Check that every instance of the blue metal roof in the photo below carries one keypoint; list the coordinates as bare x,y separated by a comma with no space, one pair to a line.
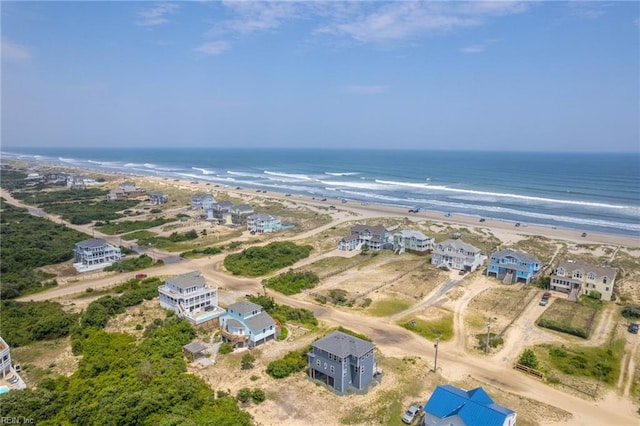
474,407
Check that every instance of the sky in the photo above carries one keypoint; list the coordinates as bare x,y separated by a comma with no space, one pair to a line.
517,76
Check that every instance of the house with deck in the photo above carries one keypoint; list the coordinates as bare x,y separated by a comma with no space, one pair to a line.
95,253
259,223
9,377
220,211
456,254
245,324
240,213
413,241
576,277
452,406
375,237
342,361
513,266
191,297
202,201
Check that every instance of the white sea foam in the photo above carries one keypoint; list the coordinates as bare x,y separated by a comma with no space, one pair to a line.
204,171
501,195
357,185
288,175
341,173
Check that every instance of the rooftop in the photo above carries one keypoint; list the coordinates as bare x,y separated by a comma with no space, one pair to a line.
518,255
190,279
343,345
91,243
474,407
259,322
244,307
458,244
600,271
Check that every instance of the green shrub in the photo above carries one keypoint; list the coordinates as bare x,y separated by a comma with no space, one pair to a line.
564,328
528,359
283,333
244,395
631,312
256,261
292,362
225,348
292,282
258,396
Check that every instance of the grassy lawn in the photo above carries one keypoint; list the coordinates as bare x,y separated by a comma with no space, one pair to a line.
387,307
138,235
575,318
431,329
132,225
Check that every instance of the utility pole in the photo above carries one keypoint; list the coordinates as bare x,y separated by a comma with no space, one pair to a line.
435,361
488,334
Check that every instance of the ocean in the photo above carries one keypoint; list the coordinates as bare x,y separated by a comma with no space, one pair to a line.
587,192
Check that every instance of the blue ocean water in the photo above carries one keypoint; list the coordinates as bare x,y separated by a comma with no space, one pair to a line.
590,192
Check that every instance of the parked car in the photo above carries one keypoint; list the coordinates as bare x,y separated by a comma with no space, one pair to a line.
543,302
584,234
546,295
517,223
633,328
410,415
482,219
140,276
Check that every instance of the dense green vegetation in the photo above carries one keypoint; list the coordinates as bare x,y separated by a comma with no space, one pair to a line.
168,243
28,242
631,312
528,359
256,261
284,313
132,264
292,362
80,213
121,383
27,322
12,179
59,196
113,228
575,318
292,282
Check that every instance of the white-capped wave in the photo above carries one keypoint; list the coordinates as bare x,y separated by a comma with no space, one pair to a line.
204,171
501,195
341,173
288,175
357,185
68,160
254,175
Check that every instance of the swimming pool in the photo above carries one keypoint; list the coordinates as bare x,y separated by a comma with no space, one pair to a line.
4,389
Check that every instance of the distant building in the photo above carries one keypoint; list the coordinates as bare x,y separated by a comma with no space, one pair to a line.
202,201
375,237
262,223
513,266
158,198
95,253
341,361
220,211
414,241
240,213
576,277
246,324
456,254
449,405
193,298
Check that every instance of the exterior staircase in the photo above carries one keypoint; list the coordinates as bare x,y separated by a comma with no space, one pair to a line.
508,278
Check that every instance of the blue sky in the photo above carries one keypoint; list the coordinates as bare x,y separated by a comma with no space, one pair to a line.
549,76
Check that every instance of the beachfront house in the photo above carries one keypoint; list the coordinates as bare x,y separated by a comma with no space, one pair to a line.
449,405
246,325
413,241
202,201
513,266
240,213
375,237
221,211
193,298
158,198
259,223
456,254
341,361
576,277
95,253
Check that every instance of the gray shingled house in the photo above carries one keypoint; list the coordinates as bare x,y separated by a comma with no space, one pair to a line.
342,361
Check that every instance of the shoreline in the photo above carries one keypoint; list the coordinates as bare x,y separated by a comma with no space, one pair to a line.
503,229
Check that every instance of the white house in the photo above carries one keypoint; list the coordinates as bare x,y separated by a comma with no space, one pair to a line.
191,297
261,222
456,254
95,253
576,277
414,241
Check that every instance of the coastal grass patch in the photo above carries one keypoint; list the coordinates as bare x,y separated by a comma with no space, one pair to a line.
60,196
138,235
441,326
113,228
591,362
256,261
82,213
537,246
292,282
334,265
387,307
575,318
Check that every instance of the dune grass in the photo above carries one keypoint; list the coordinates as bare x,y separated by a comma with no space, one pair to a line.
387,307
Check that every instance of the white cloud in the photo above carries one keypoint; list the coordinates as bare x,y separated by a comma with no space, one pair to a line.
13,52
366,89
257,16
212,48
474,48
157,14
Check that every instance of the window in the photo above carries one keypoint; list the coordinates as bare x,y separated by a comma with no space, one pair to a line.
332,369
591,276
362,370
325,365
318,362
604,280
